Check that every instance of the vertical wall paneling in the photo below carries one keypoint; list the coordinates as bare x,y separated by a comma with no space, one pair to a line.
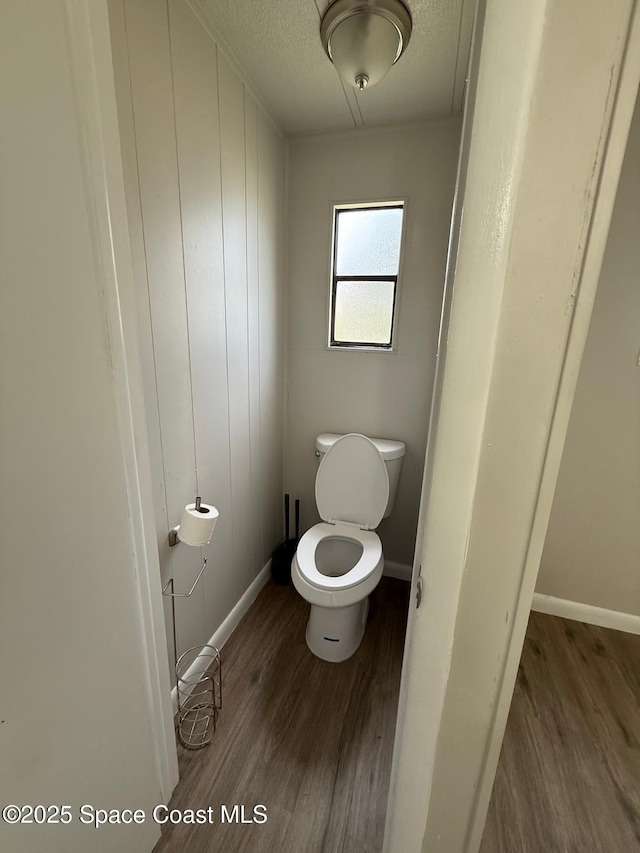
152,95
231,94
204,173
198,141
270,201
253,319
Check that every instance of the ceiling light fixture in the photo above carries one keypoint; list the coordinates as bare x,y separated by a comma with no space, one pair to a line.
363,38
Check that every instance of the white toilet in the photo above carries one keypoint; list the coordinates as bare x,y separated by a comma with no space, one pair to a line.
339,561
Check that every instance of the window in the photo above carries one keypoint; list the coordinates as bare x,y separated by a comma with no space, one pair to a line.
364,275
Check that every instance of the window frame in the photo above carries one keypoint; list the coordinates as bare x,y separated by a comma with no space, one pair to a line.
360,346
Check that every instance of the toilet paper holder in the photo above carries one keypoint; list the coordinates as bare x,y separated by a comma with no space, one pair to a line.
173,540
169,583
173,595
168,589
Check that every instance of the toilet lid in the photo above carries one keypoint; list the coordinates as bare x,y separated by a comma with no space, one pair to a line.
352,483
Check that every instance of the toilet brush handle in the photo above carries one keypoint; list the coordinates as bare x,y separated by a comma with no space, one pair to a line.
286,517
297,520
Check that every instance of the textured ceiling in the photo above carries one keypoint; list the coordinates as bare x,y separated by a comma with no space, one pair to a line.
277,44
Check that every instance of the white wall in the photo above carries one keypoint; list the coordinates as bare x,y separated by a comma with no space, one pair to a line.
75,720
205,180
592,550
387,395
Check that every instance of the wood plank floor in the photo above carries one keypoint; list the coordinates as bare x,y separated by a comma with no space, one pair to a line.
312,741
569,773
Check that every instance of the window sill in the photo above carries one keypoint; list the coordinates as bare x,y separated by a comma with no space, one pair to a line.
379,350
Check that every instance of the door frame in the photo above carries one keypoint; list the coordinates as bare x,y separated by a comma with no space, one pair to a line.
462,652
99,140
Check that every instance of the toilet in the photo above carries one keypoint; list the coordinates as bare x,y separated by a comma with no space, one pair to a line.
339,561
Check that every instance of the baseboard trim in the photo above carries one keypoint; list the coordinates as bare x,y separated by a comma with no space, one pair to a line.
397,570
586,613
222,634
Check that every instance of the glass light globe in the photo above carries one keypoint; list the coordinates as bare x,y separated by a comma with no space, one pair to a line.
363,48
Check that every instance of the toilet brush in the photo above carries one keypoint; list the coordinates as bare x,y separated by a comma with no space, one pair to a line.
284,553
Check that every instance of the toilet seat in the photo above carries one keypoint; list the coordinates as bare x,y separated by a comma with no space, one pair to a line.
369,561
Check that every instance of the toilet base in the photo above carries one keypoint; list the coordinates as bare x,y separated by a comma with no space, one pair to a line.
334,633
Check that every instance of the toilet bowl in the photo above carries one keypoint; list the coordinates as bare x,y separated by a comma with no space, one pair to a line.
339,561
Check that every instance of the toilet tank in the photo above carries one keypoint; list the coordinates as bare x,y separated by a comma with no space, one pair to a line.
391,451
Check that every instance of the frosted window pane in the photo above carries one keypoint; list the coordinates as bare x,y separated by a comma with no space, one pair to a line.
364,312
368,241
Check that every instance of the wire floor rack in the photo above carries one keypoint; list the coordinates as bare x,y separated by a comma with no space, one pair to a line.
199,688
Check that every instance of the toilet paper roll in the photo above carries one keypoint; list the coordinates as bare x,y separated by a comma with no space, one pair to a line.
196,527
